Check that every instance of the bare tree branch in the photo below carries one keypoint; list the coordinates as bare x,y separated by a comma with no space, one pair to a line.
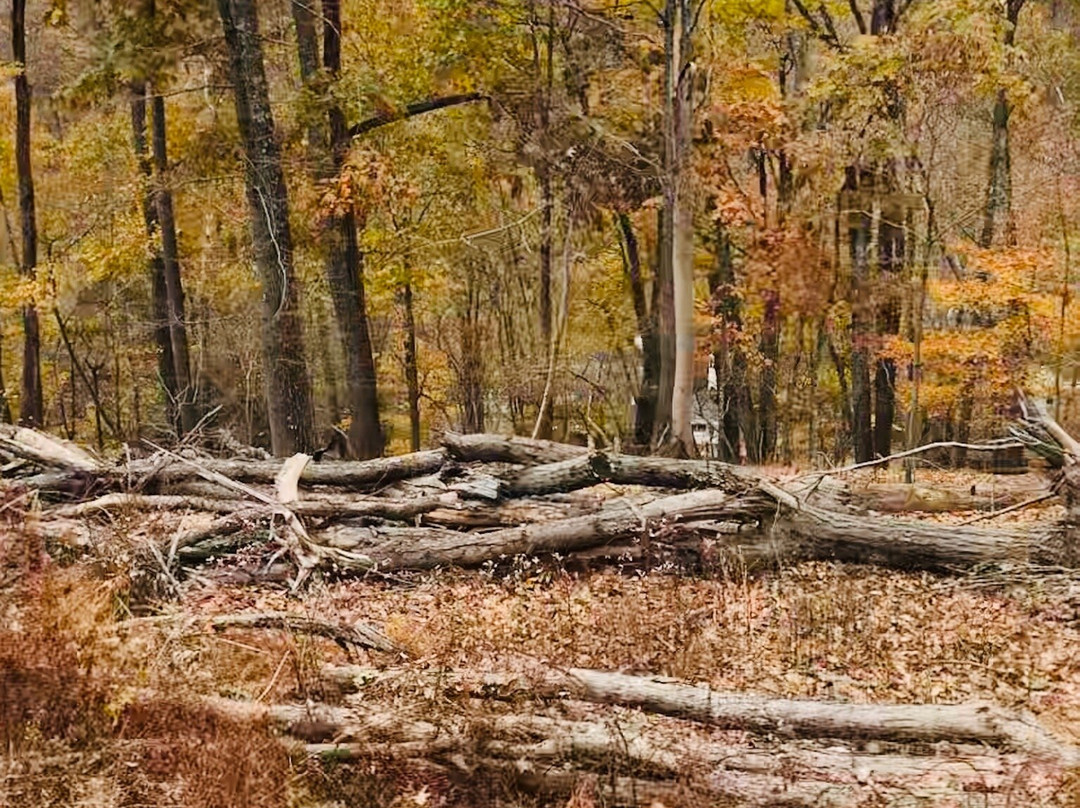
411,110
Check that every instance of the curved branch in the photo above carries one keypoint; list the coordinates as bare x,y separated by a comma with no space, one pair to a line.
411,110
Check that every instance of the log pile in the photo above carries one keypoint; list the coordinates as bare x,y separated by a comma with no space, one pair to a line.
634,740
480,499
604,737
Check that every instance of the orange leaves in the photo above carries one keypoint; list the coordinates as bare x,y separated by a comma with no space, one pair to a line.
366,181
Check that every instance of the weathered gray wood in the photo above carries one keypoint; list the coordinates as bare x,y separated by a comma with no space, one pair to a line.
361,475
425,548
597,467
497,449
984,723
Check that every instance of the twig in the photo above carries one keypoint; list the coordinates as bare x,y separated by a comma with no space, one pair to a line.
948,444
1011,508
277,672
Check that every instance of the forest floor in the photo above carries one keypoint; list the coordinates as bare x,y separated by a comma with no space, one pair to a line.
120,696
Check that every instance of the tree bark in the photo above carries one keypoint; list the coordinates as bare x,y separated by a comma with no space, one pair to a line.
412,375
547,235
288,389
645,317
170,261
770,353
158,293
345,273
856,203
31,400
679,74
998,224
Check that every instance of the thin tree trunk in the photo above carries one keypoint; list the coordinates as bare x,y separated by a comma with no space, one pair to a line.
170,259
547,202
770,353
471,373
680,108
663,307
160,305
288,389
31,403
345,273
645,400
725,310
859,223
412,377
5,407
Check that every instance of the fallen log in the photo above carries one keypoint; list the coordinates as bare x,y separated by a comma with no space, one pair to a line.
981,723
360,635
589,469
425,548
660,755
486,448
928,723
357,475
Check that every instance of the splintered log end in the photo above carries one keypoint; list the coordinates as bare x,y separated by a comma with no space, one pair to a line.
287,482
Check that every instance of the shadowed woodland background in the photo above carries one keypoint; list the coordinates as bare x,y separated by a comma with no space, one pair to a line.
855,221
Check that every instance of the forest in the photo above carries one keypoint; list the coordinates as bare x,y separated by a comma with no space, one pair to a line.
539,402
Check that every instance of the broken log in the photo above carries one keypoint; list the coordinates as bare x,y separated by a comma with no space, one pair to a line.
590,469
427,548
659,753
787,718
928,723
360,635
357,475
485,448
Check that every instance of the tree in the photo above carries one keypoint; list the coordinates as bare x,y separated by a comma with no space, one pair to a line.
997,216
679,22
343,259
31,403
170,271
288,390
158,291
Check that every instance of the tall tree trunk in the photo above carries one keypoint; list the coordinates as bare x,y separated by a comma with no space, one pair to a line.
547,202
5,407
345,272
645,399
680,83
412,376
471,371
856,204
31,401
158,293
892,266
170,259
727,358
663,307
770,353
288,389
997,215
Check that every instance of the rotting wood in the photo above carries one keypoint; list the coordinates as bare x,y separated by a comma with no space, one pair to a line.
486,448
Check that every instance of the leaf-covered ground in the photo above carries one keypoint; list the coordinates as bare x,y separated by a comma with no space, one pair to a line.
112,700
